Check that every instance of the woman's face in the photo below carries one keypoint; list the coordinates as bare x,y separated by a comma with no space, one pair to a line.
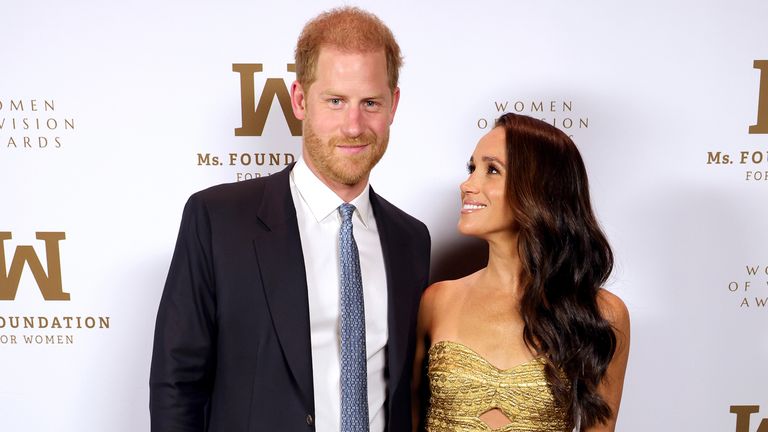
485,209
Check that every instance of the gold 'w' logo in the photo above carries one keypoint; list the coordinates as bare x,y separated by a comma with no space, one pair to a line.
255,117
49,284
743,413
762,101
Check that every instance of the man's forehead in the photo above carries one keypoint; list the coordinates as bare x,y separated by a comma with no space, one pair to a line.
343,69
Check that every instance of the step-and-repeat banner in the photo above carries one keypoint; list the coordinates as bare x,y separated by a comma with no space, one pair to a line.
113,113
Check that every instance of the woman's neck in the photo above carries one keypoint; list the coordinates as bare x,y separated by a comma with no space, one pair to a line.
504,266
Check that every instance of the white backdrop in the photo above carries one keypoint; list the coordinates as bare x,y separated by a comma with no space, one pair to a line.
139,93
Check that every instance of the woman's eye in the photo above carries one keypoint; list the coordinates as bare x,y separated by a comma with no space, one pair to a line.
492,170
470,168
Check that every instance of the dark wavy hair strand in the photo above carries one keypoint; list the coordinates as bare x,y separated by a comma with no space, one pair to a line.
565,260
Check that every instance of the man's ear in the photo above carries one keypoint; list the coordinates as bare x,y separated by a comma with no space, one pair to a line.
395,101
298,100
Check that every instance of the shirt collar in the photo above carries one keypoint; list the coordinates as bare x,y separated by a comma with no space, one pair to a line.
322,201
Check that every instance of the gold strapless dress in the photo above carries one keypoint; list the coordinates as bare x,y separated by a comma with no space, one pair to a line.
464,386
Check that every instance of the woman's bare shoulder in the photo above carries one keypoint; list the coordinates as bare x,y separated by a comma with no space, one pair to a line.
446,290
440,295
613,309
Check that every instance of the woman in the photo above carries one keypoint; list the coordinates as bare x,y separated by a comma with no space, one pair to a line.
531,342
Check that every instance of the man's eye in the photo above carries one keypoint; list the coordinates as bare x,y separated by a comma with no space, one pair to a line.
335,101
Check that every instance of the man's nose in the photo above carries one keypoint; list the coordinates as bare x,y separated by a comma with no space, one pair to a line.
353,127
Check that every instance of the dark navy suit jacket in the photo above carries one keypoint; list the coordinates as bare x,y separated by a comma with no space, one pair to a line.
232,340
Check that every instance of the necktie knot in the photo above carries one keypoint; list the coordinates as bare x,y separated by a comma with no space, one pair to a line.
346,210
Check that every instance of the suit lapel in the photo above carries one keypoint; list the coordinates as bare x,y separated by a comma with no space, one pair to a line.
398,284
281,263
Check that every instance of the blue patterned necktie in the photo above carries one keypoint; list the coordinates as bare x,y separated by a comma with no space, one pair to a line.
354,376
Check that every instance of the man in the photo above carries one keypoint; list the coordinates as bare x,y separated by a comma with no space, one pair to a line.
285,308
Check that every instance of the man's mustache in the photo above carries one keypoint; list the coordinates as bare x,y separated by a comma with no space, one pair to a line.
367,138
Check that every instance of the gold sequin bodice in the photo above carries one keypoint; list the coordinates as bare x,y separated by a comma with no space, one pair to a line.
464,386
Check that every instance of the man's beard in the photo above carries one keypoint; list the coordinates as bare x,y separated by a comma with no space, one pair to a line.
347,169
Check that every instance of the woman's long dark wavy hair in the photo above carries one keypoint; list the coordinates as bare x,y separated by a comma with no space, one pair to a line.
565,260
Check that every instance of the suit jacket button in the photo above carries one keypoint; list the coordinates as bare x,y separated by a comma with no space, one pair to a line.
310,420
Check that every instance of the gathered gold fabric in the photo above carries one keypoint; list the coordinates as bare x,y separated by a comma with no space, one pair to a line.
464,385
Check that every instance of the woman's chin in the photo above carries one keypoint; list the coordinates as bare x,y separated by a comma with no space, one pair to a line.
470,230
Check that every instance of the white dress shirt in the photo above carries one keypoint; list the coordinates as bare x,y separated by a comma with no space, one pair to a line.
319,224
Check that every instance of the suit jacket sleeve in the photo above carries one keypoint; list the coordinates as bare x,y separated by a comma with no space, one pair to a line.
183,357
